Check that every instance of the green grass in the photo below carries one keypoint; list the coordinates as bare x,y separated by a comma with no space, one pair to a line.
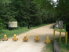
10,33
18,31
63,47
63,30
48,47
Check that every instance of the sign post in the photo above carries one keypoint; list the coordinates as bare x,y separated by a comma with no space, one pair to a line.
54,35
60,35
66,37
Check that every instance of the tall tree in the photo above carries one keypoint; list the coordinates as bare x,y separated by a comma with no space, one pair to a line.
46,10
62,10
7,13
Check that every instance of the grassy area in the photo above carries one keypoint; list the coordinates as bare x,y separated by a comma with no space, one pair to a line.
17,31
48,47
11,32
63,30
63,47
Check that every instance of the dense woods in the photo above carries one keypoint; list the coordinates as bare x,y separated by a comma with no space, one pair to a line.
33,12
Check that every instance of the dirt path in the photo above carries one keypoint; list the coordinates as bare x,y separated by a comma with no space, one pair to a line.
31,45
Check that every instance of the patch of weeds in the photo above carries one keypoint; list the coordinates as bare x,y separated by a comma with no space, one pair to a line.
63,47
48,47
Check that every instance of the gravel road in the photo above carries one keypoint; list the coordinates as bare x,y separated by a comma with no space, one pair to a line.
31,45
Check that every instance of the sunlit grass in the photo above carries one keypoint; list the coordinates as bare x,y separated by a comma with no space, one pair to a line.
18,31
63,46
48,47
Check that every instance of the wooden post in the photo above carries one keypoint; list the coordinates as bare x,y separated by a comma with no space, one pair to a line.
60,35
54,36
66,37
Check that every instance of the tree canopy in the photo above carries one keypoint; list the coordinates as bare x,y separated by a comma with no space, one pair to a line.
33,12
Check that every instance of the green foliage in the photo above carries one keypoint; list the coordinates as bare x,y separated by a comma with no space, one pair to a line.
7,13
46,10
63,47
62,10
1,24
27,12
